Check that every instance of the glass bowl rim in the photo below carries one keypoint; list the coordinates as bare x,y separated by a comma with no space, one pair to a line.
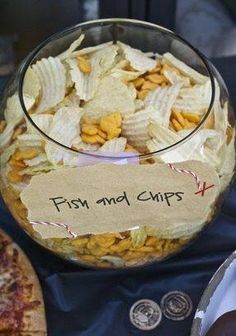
28,61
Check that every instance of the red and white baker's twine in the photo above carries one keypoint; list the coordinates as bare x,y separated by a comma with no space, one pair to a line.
65,226
189,172
170,165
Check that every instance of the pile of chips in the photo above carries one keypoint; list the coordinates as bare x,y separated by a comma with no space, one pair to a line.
112,98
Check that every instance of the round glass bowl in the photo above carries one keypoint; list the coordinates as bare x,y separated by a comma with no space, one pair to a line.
200,117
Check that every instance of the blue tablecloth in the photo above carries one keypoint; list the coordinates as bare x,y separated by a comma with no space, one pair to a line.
83,302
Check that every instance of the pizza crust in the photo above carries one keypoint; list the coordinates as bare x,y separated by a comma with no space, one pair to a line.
4,240
33,319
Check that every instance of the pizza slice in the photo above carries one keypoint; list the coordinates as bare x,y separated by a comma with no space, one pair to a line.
21,302
23,333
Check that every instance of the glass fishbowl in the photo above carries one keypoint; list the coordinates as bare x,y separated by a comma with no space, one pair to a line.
105,91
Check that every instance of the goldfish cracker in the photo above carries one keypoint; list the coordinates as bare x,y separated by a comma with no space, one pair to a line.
171,126
176,125
84,65
157,254
229,133
17,163
146,161
169,246
130,255
164,84
102,134
142,94
2,125
13,176
138,82
88,258
156,69
178,116
151,241
111,124
103,263
105,240
129,148
92,139
89,129
143,249
99,251
192,117
160,244
79,242
123,245
91,243
147,85
17,131
128,67
26,154
155,78
115,118
189,124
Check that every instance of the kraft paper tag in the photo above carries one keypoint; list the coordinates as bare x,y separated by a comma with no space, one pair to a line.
111,198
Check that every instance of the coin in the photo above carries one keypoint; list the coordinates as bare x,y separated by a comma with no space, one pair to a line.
176,305
145,314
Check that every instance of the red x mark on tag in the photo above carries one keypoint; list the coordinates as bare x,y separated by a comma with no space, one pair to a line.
204,188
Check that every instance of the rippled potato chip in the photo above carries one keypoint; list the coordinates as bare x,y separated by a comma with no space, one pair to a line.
52,77
196,98
31,85
112,96
189,150
8,152
160,137
174,78
138,60
13,112
115,145
41,168
29,140
90,50
186,70
227,159
124,75
64,129
43,121
39,159
79,145
138,237
163,98
135,127
74,45
177,230
100,62
13,115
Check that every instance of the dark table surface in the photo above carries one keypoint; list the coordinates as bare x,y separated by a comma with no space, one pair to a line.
86,302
